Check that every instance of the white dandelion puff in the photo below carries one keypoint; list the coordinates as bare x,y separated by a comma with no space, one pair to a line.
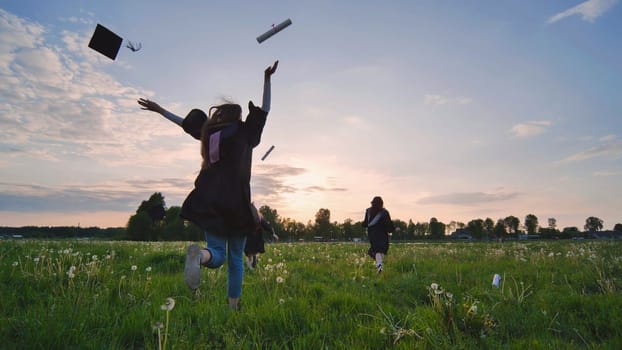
134,267
15,263
148,269
280,279
169,305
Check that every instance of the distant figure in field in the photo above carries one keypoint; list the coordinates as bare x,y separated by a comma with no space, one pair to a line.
255,242
220,201
379,225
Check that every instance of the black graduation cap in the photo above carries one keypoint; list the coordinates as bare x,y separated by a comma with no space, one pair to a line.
105,42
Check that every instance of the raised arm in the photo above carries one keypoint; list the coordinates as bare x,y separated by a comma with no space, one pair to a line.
149,105
265,106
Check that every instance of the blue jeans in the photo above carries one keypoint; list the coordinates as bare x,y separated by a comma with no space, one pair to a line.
234,252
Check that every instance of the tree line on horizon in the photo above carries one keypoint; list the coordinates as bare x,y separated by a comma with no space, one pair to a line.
153,221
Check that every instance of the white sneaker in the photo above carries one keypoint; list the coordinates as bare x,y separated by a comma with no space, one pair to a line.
192,271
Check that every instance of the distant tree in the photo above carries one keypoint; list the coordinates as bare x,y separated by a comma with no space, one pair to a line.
499,230
293,230
531,224
476,228
547,232
322,223
593,224
348,229
451,227
489,227
410,229
460,225
139,227
437,229
146,224
155,206
571,231
421,228
512,223
173,228
400,229
552,223
272,216
617,227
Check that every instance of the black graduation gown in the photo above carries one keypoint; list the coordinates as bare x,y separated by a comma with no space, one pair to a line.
220,202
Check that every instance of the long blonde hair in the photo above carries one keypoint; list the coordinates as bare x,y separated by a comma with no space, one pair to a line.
219,117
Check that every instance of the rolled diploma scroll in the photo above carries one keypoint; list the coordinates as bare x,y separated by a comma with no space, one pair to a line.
274,30
265,155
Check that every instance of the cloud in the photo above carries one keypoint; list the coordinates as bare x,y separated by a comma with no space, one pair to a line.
438,100
113,196
589,10
610,149
323,189
467,198
56,102
604,173
530,128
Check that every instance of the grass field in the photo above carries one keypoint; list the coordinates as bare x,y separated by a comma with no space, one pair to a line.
114,295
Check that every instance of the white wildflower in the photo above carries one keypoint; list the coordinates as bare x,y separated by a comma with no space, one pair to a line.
279,279
134,267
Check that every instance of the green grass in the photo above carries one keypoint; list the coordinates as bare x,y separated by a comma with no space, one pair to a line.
553,295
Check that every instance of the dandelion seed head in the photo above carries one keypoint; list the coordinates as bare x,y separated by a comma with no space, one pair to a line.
148,269
169,305
279,279
15,263
134,267
434,286
94,257
281,301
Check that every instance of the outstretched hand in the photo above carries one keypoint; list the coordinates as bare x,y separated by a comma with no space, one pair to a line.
150,105
270,70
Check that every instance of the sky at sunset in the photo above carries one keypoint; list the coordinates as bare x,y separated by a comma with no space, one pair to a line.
447,109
